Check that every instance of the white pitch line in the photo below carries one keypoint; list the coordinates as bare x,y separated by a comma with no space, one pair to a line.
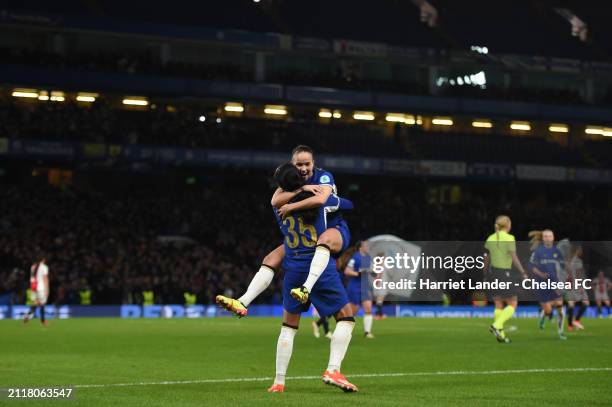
366,375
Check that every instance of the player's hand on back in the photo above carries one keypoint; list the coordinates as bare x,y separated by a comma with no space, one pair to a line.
285,210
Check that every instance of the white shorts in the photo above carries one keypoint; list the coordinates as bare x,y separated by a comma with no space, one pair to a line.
599,296
38,297
576,295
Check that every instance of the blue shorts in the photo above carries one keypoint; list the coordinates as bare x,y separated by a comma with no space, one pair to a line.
358,292
548,295
328,294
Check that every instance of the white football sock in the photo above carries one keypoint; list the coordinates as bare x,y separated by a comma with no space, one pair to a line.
317,265
560,319
284,348
261,280
367,323
339,344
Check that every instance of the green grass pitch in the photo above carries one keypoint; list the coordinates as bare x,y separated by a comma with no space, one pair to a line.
437,362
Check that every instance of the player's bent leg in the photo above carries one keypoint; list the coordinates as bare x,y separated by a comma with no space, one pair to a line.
329,242
332,238
582,307
545,313
499,307
43,319
570,315
560,318
367,319
340,340
502,317
231,305
261,280
284,349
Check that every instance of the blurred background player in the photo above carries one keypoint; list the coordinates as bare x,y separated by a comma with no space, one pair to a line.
358,287
318,322
328,295
334,239
601,286
501,249
380,298
39,284
575,270
546,263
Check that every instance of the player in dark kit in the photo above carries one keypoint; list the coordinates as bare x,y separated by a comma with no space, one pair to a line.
358,287
301,230
546,262
332,241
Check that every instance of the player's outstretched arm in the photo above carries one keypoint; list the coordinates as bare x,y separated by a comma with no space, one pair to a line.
314,201
281,197
350,272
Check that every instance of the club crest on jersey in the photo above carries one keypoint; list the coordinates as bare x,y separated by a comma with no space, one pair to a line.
324,178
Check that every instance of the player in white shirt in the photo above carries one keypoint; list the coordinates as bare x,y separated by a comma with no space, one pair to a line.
39,285
601,286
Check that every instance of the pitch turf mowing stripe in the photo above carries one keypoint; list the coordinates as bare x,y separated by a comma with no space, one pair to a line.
366,375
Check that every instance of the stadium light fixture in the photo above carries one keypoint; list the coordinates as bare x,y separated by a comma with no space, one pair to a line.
325,114
442,121
25,93
135,101
396,117
57,96
523,126
234,107
607,132
482,123
594,130
558,128
337,114
279,110
43,95
361,115
86,97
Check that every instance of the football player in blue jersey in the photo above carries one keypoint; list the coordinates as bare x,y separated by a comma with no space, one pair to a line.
302,229
334,239
547,263
358,288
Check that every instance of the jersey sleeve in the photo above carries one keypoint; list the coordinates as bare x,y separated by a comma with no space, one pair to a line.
534,260
487,245
354,263
345,204
325,178
334,203
44,271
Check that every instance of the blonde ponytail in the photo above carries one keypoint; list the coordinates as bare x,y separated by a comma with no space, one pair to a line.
536,238
502,222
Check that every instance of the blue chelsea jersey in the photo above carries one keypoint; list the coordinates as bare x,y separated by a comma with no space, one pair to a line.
301,238
548,260
322,177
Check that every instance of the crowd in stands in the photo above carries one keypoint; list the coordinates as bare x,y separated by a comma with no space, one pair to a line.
119,238
182,127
